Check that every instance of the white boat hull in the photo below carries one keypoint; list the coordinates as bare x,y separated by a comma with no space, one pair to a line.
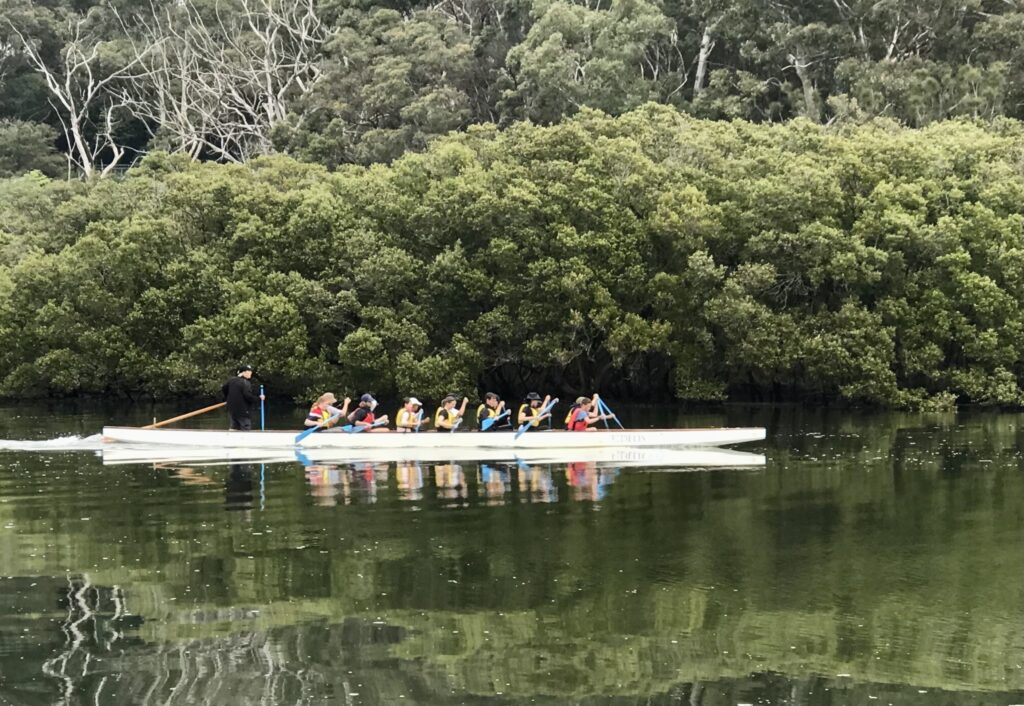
539,439
120,454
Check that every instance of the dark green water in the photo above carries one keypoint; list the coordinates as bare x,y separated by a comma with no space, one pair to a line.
874,559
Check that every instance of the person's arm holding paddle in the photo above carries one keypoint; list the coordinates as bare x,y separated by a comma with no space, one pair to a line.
594,414
363,416
530,410
323,413
409,417
584,414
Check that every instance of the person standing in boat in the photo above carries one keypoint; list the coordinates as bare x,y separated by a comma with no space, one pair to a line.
363,415
409,418
239,397
529,411
583,414
446,418
323,410
491,408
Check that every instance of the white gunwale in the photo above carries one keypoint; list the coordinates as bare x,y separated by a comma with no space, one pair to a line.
534,439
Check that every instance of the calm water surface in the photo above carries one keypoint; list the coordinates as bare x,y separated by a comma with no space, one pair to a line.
873,559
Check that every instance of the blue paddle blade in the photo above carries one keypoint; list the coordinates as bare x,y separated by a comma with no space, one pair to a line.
491,421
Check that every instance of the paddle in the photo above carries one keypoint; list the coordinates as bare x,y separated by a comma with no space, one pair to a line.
604,409
319,426
356,428
547,408
491,421
204,410
419,420
263,412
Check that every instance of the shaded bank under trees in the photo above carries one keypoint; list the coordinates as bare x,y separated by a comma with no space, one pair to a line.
652,253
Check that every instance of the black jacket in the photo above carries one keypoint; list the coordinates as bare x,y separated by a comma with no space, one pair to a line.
238,394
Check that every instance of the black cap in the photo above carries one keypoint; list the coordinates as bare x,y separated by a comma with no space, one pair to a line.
491,396
533,396
244,368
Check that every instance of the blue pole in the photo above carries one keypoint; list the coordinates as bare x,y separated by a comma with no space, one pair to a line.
606,410
263,492
263,411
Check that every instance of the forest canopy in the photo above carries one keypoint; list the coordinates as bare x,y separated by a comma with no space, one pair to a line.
652,253
362,81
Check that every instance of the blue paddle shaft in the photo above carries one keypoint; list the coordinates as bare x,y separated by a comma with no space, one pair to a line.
604,409
263,413
522,429
319,426
491,421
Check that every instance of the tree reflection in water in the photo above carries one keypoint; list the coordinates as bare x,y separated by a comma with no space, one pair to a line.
874,559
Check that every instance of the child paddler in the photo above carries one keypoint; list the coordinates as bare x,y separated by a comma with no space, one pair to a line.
363,415
447,417
583,414
529,410
491,408
323,410
409,418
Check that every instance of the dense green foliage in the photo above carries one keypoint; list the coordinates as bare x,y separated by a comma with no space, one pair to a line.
651,253
388,75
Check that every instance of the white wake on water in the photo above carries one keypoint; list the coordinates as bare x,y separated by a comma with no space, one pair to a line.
61,443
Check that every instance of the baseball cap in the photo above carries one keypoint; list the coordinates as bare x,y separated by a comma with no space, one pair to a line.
491,396
449,398
533,396
413,400
244,368
367,398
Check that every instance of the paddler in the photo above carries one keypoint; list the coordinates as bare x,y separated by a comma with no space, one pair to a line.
323,410
491,408
239,397
530,410
583,414
409,418
447,417
363,415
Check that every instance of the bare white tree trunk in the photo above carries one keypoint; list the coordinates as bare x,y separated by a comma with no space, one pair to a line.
78,95
219,87
707,45
811,107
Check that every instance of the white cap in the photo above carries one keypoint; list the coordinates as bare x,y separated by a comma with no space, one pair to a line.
413,400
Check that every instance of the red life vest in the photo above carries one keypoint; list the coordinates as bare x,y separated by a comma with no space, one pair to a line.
577,419
369,418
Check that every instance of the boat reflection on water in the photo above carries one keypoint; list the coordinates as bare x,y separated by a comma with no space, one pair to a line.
342,485
335,479
448,483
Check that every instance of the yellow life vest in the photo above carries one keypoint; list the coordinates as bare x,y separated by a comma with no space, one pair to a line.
404,416
491,412
320,418
450,414
525,410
